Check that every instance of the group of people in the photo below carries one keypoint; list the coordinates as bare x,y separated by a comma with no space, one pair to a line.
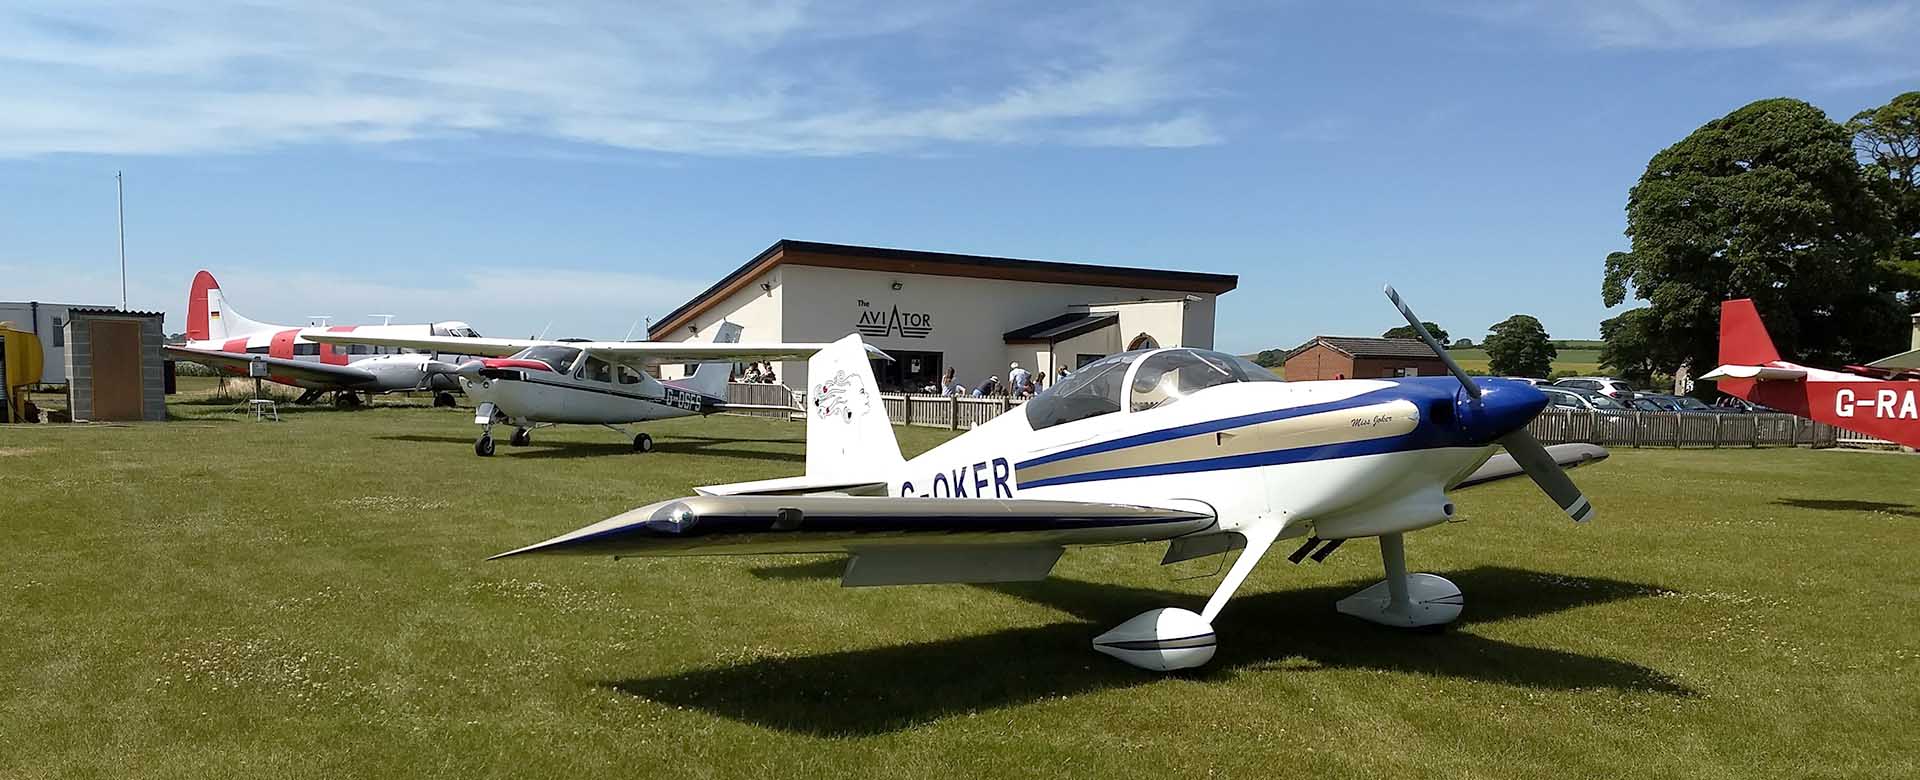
758,374
1020,383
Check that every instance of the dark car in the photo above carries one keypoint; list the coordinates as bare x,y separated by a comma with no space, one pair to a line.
1657,402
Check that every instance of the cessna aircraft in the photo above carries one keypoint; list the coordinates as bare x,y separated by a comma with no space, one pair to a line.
1877,401
220,337
1200,449
535,383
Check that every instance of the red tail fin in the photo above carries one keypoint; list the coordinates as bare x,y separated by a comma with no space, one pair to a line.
1743,338
197,327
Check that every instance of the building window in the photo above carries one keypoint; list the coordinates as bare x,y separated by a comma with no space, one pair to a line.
59,333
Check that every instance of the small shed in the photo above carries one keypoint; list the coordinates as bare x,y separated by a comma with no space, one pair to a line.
1354,357
113,364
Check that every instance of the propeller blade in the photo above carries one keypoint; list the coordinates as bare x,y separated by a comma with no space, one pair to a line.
1540,465
1438,349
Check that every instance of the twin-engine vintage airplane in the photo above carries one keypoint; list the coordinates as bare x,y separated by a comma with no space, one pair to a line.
534,383
220,337
1200,449
1880,400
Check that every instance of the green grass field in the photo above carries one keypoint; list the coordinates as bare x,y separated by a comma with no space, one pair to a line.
1581,362
212,598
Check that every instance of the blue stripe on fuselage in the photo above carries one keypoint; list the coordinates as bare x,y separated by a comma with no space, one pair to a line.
1427,435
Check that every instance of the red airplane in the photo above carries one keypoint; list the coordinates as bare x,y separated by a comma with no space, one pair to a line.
1879,402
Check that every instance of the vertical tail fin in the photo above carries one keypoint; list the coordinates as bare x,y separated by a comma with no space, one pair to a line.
1743,337
848,435
209,317
710,379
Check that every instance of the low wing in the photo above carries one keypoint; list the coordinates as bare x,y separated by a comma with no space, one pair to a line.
627,352
640,352
458,345
1762,373
1502,465
309,371
893,540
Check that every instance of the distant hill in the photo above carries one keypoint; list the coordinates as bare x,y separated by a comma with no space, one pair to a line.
1577,357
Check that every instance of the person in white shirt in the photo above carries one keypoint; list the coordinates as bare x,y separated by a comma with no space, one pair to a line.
1018,378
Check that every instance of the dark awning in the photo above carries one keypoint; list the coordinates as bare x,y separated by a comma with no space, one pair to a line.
1063,327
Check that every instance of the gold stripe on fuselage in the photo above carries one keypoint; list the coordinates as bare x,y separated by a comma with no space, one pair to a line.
1339,426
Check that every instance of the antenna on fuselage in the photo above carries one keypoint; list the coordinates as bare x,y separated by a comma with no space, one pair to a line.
629,336
385,319
319,320
543,331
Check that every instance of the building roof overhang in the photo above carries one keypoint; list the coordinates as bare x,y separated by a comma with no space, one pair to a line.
909,261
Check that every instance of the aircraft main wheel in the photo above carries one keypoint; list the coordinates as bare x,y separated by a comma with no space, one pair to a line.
521,437
345,400
483,447
443,400
643,443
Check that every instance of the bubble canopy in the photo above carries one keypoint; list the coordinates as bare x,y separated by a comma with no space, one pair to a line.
1137,381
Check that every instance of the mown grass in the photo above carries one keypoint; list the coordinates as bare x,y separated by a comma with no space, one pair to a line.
214,598
1569,362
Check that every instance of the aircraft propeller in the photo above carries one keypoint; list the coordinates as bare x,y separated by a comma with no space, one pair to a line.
1526,450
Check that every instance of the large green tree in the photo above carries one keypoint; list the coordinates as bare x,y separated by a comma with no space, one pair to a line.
1767,203
1406,332
1887,140
1518,346
1631,352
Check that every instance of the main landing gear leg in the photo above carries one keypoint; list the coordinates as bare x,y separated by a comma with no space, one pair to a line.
1166,639
1404,600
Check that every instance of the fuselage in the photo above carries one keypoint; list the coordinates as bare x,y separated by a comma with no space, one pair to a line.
530,390
393,369
1334,458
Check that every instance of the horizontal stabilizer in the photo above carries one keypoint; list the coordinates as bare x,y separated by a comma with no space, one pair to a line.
1762,373
724,525
281,369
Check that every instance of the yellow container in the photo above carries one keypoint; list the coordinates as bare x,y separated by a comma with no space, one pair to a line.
24,361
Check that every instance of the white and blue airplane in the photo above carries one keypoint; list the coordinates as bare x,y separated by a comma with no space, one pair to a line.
1200,449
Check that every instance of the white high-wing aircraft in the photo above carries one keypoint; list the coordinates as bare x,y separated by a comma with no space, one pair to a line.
220,337
535,383
1197,448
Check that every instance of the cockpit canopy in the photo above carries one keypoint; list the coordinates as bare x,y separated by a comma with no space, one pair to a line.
560,358
1138,381
455,329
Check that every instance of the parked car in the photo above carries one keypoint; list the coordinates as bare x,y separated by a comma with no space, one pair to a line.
1617,389
1535,381
1584,400
1742,406
1658,402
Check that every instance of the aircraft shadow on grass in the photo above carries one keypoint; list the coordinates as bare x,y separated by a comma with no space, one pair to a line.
1847,505
674,445
873,691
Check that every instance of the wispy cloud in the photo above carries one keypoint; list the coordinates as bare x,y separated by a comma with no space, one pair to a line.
1711,24
600,304
695,76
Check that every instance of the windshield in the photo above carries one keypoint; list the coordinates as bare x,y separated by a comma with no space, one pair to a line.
1092,391
1602,402
1165,377
560,358
1691,403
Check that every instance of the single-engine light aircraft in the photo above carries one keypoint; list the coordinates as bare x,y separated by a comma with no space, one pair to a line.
1880,399
1203,450
219,337
535,383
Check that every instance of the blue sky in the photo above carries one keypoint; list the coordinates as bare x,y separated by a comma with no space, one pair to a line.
590,164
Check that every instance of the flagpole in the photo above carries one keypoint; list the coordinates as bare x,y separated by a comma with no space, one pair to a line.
120,186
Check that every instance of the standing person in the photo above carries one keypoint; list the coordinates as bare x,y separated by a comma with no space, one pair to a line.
947,381
1017,378
768,374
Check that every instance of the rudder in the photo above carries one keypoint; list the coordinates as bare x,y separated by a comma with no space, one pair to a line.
848,434
710,379
1743,337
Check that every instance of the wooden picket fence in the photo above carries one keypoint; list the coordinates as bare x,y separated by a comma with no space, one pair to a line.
1553,426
